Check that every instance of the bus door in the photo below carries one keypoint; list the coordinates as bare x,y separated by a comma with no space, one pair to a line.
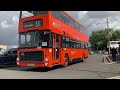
56,48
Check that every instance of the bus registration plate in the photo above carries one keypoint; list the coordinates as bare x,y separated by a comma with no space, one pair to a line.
31,65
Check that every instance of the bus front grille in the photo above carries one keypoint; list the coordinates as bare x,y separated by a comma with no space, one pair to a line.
32,56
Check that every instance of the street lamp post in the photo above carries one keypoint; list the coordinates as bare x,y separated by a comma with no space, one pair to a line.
107,23
108,33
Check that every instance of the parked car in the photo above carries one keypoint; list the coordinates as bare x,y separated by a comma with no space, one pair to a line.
8,57
91,52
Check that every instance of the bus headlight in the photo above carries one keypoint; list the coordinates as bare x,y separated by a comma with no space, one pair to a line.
46,63
17,63
17,58
46,59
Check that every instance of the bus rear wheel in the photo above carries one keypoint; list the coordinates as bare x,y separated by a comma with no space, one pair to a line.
66,61
83,58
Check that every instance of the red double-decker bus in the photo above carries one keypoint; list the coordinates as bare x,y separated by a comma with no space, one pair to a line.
49,38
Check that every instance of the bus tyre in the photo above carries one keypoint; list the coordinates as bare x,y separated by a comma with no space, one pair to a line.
66,60
83,58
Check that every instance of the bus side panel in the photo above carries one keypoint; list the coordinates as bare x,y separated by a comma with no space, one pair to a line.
72,54
75,53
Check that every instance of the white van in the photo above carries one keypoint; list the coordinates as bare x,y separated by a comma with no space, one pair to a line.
114,43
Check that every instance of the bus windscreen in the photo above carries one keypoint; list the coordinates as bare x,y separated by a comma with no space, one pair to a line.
35,39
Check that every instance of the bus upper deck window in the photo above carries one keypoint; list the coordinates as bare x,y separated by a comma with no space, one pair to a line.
25,14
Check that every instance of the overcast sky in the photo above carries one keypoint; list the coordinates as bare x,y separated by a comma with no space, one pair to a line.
9,23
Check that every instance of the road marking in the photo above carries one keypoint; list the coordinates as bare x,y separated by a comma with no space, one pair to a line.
111,63
116,77
107,61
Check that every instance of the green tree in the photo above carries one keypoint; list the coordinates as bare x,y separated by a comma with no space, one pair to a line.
99,39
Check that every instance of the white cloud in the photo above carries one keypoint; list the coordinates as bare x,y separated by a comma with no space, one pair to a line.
82,14
115,25
9,24
4,24
15,19
9,27
12,46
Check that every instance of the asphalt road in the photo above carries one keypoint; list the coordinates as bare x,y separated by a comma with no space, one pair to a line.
92,68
